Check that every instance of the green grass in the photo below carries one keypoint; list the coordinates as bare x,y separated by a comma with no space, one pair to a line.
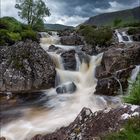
131,131
133,96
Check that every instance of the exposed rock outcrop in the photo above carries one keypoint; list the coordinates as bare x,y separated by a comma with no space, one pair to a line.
89,125
69,60
115,69
25,66
56,49
73,39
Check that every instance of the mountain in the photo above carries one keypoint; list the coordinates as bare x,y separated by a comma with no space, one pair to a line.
128,15
57,27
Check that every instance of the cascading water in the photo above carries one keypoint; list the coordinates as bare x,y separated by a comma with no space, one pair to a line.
60,109
123,37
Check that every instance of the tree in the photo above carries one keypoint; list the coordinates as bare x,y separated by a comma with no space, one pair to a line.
32,11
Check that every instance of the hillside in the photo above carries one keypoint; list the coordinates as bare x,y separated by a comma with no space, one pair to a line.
57,27
108,18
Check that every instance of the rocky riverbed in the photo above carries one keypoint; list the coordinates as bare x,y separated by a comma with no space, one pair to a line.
75,79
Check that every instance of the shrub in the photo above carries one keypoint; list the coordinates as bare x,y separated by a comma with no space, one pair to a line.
4,24
117,22
8,38
3,36
29,34
96,36
131,131
14,36
132,31
134,93
11,23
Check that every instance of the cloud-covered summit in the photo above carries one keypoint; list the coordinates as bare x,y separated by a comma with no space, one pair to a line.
73,12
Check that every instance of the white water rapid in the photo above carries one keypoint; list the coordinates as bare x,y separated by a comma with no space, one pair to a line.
60,109
123,37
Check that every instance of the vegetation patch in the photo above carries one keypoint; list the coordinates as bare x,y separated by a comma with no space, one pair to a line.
96,36
12,31
134,92
131,131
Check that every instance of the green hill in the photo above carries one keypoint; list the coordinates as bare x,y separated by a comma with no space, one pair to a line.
56,27
127,16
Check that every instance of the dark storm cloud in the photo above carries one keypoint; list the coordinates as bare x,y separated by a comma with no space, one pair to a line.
88,8
73,12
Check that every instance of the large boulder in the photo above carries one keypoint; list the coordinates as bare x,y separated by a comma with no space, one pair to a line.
88,125
117,59
69,60
73,39
115,69
115,83
25,66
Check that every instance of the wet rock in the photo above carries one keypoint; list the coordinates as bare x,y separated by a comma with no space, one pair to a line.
69,60
116,67
117,59
89,49
71,40
88,125
136,37
69,87
107,86
113,83
56,49
65,32
83,57
125,38
25,66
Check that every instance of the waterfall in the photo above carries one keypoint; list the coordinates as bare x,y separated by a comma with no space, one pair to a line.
60,109
123,37
135,73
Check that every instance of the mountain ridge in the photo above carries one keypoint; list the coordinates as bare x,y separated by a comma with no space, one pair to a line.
57,27
127,15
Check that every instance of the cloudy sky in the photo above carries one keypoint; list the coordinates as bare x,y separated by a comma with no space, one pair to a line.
72,12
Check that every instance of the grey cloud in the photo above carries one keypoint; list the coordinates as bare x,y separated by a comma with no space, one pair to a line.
72,12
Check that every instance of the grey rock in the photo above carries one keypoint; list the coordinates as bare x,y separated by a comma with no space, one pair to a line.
71,40
88,125
69,87
25,66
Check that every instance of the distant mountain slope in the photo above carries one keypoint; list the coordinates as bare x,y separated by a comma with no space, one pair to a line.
108,18
57,27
